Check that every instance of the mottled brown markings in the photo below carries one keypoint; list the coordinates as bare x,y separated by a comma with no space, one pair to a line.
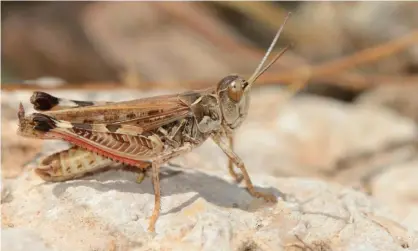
77,131
113,128
153,123
154,112
131,115
103,112
116,137
79,166
68,170
83,103
120,138
119,142
123,147
82,126
160,116
111,117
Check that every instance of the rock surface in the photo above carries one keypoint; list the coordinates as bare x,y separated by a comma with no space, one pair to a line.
398,187
20,239
202,209
402,99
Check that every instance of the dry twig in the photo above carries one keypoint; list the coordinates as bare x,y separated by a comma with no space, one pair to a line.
330,72
337,66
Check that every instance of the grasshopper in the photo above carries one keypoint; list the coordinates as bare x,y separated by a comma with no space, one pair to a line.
144,133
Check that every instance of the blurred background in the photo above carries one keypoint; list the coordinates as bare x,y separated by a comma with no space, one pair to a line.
194,44
355,64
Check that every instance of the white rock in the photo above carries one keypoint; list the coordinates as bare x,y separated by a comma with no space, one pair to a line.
399,98
398,189
20,239
200,211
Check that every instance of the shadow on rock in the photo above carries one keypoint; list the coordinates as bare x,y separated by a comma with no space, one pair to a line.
213,189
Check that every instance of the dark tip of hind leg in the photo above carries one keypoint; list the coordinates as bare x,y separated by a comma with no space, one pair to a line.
43,101
43,122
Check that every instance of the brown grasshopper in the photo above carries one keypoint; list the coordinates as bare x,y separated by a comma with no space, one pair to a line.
144,133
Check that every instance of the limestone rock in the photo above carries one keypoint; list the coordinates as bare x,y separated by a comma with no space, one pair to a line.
399,98
18,239
200,211
398,189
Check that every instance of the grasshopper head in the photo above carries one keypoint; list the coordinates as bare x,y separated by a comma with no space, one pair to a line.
233,90
234,100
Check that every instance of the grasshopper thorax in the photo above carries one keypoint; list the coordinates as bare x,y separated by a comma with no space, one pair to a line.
234,100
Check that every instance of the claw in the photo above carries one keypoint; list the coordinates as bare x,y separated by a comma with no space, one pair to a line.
140,178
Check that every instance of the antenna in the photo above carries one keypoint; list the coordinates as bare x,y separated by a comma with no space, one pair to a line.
259,71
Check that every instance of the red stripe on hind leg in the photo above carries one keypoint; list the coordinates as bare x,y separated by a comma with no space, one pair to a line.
92,148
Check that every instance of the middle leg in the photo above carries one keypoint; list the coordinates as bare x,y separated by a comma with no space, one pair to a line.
157,194
238,177
156,164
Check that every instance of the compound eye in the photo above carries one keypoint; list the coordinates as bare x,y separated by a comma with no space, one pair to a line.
235,91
